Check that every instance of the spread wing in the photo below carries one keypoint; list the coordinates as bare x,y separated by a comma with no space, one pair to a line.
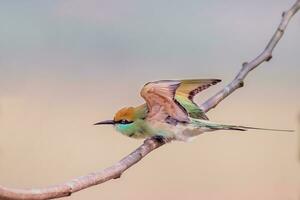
187,90
175,98
161,103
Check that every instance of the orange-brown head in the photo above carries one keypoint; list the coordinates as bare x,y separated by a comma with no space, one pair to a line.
127,115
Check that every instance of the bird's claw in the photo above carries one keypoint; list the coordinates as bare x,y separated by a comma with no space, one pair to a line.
159,139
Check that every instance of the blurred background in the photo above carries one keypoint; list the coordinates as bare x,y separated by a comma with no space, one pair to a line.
68,64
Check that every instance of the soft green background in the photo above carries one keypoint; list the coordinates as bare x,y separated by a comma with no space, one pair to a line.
66,64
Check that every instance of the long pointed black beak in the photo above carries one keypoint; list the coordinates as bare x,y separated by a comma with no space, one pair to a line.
105,122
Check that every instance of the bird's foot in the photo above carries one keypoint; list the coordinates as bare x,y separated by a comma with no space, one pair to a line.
159,139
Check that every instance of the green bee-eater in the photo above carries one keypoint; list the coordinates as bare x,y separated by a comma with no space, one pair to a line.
169,112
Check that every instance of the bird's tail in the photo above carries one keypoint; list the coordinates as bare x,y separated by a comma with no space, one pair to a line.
245,128
218,126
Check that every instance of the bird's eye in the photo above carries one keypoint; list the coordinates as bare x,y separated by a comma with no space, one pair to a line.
124,121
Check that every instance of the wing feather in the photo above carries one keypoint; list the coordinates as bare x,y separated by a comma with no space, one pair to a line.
175,98
187,90
159,96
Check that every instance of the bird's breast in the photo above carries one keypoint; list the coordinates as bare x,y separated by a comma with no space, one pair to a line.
178,131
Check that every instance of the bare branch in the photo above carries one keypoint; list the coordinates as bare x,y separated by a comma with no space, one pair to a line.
80,183
115,171
266,55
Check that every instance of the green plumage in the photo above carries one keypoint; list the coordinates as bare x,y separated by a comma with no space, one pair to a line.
186,91
192,108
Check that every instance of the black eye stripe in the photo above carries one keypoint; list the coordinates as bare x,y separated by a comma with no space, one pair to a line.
124,121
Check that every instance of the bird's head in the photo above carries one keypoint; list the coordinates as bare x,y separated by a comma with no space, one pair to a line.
127,119
124,116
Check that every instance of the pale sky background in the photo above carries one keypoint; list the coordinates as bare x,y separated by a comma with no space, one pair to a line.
67,64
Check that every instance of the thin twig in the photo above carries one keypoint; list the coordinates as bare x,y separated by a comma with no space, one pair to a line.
115,171
265,56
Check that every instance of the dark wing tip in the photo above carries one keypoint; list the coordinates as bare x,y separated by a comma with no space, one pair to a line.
215,81
203,87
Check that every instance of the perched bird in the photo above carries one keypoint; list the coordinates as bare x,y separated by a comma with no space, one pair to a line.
170,112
